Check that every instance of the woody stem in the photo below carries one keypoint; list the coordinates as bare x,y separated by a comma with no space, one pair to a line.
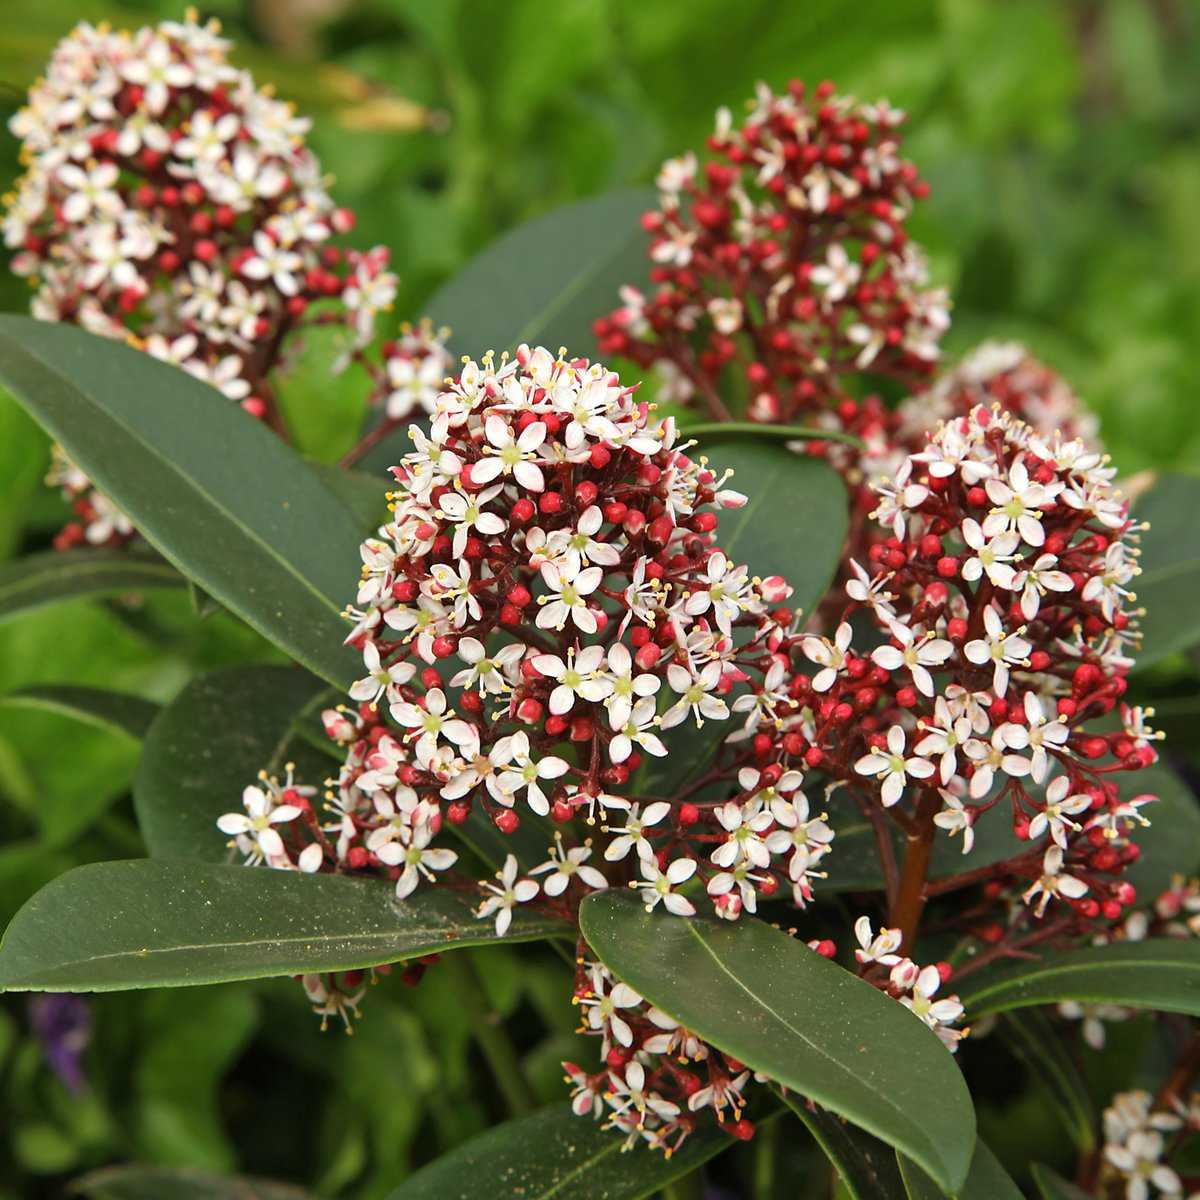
909,903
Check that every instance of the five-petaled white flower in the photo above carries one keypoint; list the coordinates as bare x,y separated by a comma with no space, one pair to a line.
656,885
892,767
504,895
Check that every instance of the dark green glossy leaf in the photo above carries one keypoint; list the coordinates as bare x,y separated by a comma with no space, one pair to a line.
54,576
546,281
810,1025
1052,1186
1161,974
866,1167
210,743
130,715
1170,565
364,493
987,1180
794,523
211,488
553,1153
1040,1046
149,923
178,1183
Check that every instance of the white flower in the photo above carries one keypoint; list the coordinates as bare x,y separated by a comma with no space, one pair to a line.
380,679
1017,503
507,455
274,262
578,677
602,1008
632,833
880,948
434,720
944,735
568,601
1038,734
892,767
956,818
258,822
1059,808
1037,580
1053,883
999,648
830,656
917,656
528,774
837,275
991,556
466,511
638,729
695,694
488,673
626,687
744,825
565,865
656,885
509,892
412,849
728,592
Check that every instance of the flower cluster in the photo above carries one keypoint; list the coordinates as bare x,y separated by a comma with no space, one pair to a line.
1007,374
1135,1146
171,202
1001,597
784,261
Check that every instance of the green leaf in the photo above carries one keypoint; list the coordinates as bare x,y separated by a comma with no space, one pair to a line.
217,493
209,743
554,1153
53,576
987,1180
364,493
1161,974
810,1025
130,715
546,281
1170,564
866,1167
1039,1045
179,1183
794,522
144,923
1052,1186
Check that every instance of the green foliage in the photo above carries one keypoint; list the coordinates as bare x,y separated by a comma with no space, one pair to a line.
116,925
778,1007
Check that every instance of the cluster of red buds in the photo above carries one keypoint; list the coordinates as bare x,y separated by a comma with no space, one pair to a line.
1002,597
784,262
171,202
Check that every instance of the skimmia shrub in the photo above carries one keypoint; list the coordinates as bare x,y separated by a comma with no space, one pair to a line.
811,852
170,201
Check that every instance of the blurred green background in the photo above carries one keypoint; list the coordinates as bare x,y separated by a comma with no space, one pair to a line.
1060,140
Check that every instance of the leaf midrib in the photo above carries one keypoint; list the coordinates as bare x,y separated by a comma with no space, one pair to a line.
694,931
192,484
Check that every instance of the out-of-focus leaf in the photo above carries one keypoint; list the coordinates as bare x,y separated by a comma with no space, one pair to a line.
1052,1186
214,491
807,1023
546,281
987,1180
554,1153
178,1183
209,743
130,715
1161,974
362,492
1036,1042
146,923
866,1166
53,576
1170,563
